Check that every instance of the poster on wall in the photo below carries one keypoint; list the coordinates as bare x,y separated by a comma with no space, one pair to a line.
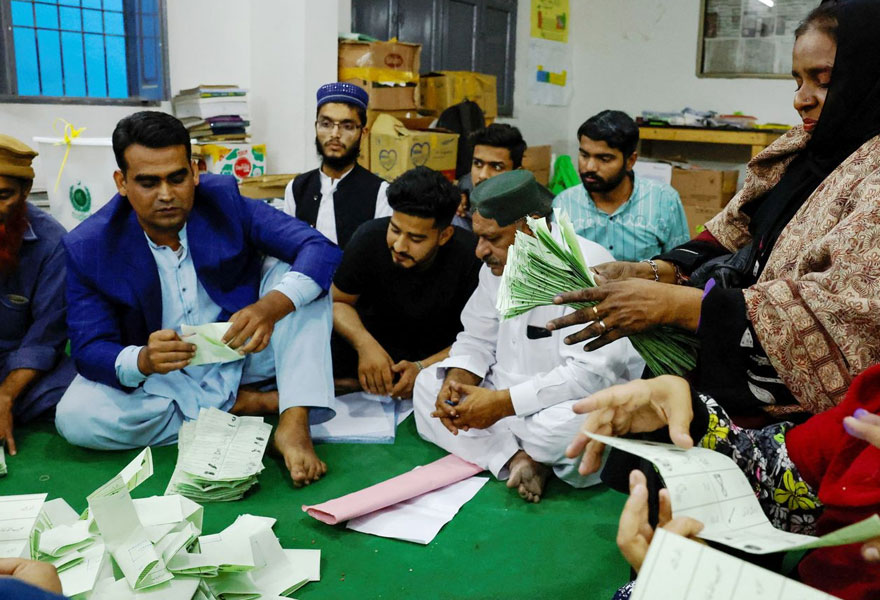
550,20
549,73
749,38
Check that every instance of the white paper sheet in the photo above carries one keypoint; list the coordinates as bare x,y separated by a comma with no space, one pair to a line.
683,569
226,447
307,562
360,419
82,577
710,487
420,519
404,409
18,515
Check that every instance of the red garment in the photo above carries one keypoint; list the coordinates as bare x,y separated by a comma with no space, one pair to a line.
846,471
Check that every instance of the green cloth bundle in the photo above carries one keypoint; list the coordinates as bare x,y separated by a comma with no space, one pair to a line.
538,268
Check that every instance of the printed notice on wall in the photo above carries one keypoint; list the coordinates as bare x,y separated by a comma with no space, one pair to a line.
549,73
550,20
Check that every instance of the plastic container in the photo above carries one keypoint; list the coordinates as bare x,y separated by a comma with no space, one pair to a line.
86,181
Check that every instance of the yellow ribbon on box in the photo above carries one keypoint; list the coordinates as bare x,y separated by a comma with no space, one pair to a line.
70,134
378,75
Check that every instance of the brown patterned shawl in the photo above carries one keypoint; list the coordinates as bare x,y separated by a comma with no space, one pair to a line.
816,306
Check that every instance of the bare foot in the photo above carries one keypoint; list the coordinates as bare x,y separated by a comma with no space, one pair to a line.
252,402
294,442
528,476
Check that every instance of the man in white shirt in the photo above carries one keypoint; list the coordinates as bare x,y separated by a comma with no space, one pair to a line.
339,196
503,398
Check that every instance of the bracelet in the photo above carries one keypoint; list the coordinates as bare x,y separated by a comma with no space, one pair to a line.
420,365
680,279
654,268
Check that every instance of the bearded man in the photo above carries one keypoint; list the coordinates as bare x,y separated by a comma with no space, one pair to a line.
34,371
632,217
339,196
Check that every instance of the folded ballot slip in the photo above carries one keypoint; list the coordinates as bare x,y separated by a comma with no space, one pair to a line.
208,339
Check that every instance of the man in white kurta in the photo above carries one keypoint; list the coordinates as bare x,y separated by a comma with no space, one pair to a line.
503,398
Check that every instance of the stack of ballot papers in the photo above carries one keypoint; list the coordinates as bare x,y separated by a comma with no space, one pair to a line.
122,548
539,267
219,456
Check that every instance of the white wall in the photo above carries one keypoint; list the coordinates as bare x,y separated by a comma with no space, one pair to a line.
281,50
628,54
635,55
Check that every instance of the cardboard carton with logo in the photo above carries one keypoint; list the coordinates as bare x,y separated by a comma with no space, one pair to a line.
239,160
442,89
537,160
394,149
389,71
705,187
410,118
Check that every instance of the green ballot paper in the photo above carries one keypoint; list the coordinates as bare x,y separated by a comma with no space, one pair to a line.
539,267
208,340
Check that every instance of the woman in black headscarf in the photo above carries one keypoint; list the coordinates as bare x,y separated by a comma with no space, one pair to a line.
801,315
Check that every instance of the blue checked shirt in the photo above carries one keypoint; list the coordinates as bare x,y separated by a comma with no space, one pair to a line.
651,222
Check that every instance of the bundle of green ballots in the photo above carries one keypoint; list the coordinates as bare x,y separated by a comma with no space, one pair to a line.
538,268
219,456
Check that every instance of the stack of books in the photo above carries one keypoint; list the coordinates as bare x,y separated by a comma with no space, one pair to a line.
214,113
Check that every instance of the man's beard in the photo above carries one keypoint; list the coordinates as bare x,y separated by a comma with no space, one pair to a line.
602,186
340,162
11,235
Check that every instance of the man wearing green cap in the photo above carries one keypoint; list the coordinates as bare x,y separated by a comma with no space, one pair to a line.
503,398
34,372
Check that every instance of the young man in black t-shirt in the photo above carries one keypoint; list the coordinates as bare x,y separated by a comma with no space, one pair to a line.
401,287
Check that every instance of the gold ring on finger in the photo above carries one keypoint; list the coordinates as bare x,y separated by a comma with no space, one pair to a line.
604,326
595,311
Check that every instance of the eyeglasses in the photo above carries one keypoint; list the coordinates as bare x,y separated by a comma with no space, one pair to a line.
328,125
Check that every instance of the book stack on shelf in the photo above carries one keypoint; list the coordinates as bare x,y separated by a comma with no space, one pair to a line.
214,113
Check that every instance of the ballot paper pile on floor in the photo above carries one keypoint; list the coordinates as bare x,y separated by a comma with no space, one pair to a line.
219,456
413,506
538,268
123,548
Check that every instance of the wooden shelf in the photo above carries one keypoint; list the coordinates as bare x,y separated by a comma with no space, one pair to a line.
756,140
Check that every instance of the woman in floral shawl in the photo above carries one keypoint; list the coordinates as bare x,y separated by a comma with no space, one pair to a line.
805,317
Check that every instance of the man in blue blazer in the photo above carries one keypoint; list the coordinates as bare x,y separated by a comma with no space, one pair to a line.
173,248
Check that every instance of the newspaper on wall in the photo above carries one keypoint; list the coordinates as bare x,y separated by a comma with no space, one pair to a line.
748,37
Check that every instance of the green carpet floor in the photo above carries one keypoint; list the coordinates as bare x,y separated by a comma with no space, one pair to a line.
496,547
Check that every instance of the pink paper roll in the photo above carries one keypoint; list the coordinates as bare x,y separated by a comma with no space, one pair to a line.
420,480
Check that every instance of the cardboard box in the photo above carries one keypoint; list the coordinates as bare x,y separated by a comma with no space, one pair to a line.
383,62
410,118
658,171
389,97
442,89
537,160
698,216
394,149
239,160
705,187
265,187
